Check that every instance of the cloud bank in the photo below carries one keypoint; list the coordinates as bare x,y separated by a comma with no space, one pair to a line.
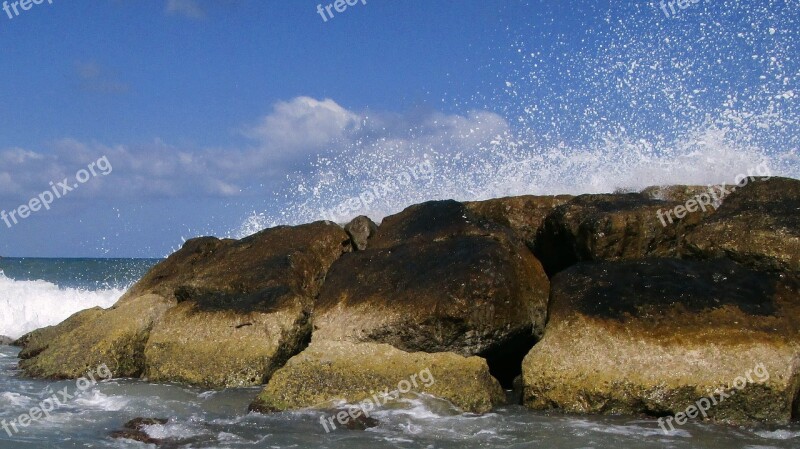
292,137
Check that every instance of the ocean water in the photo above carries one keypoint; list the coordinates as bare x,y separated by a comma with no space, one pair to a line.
35,293
43,291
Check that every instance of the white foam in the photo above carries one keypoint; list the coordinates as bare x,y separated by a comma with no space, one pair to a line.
30,305
12,398
778,434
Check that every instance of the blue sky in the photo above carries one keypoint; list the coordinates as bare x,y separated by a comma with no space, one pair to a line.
203,108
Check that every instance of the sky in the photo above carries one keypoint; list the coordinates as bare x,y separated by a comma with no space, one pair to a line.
144,123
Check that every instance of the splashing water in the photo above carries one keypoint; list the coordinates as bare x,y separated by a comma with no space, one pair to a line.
630,99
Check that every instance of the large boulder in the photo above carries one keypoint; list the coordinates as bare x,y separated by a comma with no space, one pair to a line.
237,309
245,310
613,227
461,285
757,225
658,336
436,283
332,371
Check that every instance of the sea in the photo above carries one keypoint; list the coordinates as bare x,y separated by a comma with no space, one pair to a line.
41,292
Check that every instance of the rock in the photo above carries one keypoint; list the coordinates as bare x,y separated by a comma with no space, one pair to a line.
433,221
656,336
6,341
37,341
362,423
680,193
115,337
226,290
610,227
522,214
141,423
462,285
757,225
331,371
437,287
135,435
360,230
236,330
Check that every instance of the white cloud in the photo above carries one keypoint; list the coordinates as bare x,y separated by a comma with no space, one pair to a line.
302,125
291,136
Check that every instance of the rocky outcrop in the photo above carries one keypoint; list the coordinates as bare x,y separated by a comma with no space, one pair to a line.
655,336
649,313
437,286
611,227
757,225
216,313
6,341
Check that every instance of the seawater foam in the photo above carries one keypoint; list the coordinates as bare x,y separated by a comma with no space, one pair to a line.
30,305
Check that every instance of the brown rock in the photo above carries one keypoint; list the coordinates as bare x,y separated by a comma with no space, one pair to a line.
610,227
360,230
436,287
657,335
245,310
757,225
242,309
463,285
522,214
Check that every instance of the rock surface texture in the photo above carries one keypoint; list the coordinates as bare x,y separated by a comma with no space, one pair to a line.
654,336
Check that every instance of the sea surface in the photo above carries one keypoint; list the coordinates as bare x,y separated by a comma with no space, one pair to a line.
37,292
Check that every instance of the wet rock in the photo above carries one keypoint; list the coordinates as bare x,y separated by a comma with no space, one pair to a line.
362,422
140,423
611,227
212,289
135,435
134,430
757,225
461,285
656,336
680,193
37,341
522,214
6,341
360,230
229,332
436,287
331,371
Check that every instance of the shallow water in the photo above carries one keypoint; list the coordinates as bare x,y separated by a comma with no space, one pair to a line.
219,419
